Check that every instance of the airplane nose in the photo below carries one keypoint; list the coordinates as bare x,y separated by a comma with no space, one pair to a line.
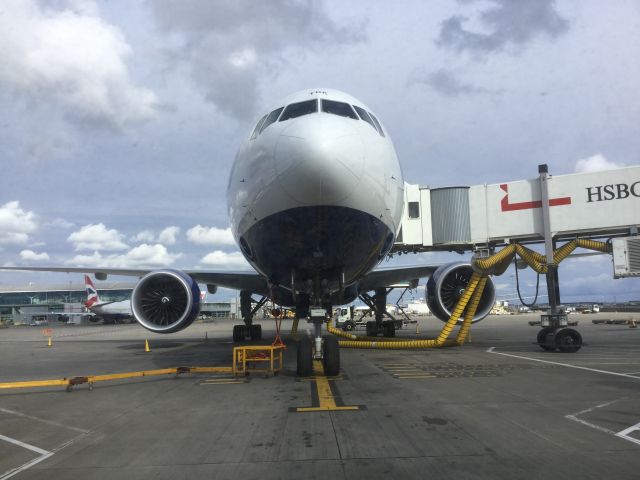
319,159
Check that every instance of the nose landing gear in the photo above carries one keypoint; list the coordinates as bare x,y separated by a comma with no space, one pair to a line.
325,349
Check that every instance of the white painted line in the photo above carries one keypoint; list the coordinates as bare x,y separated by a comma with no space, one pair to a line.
625,433
38,419
568,365
44,454
24,445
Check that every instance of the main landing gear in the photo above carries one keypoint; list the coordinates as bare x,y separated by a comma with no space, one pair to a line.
553,337
378,303
249,329
321,348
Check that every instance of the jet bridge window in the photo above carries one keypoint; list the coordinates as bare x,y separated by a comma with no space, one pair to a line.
299,109
414,210
257,129
273,116
338,108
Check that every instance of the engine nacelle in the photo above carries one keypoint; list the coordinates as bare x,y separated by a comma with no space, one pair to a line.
446,286
165,301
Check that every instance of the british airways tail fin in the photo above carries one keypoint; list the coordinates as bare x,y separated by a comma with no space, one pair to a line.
92,293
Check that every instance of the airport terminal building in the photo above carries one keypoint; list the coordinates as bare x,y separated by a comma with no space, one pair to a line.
16,300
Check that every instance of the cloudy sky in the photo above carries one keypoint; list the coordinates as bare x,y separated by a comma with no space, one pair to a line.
120,120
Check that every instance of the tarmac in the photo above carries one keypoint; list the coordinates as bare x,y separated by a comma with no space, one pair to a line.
498,407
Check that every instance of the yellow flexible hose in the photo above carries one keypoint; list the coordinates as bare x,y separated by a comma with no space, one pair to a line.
496,264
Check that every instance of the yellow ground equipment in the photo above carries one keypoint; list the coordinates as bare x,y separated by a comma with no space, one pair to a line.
246,359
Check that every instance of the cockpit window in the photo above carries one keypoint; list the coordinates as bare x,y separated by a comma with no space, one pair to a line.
365,116
338,108
273,116
257,129
299,109
375,120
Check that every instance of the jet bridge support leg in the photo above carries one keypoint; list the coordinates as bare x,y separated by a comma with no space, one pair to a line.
554,335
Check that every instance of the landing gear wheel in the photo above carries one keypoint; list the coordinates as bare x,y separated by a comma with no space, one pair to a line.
331,356
305,358
255,332
372,329
239,333
348,326
568,340
542,339
388,328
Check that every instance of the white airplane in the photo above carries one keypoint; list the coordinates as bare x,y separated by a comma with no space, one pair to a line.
315,199
110,312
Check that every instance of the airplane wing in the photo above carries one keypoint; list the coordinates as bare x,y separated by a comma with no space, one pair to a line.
252,281
235,280
385,277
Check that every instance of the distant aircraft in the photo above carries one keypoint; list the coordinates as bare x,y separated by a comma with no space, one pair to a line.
111,312
315,199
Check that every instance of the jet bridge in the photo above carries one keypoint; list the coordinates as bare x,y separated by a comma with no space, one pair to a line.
581,205
575,208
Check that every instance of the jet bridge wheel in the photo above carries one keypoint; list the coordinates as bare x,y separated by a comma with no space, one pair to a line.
568,340
542,339
331,356
305,357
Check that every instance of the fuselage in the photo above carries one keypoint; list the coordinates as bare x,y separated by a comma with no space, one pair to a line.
315,196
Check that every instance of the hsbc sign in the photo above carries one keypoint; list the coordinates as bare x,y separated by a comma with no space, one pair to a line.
617,191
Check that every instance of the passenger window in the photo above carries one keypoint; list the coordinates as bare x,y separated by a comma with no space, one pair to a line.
375,120
365,116
338,108
273,116
299,109
257,129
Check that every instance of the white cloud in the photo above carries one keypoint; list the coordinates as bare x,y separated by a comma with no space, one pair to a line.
168,235
97,237
595,163
144,236
138,257
15,224
59,223
63,55
225,260
31,255
210,236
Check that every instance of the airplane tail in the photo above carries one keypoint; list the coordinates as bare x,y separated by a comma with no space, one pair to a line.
92,293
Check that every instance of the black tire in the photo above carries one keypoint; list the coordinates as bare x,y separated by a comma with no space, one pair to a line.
542,337
348,326
255,332
372,329
388,329
305,358
331,356
239,333
568,340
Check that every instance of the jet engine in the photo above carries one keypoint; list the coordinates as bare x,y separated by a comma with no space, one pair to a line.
165,301
446,286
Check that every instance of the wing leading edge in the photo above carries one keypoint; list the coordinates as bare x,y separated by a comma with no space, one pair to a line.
251,281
